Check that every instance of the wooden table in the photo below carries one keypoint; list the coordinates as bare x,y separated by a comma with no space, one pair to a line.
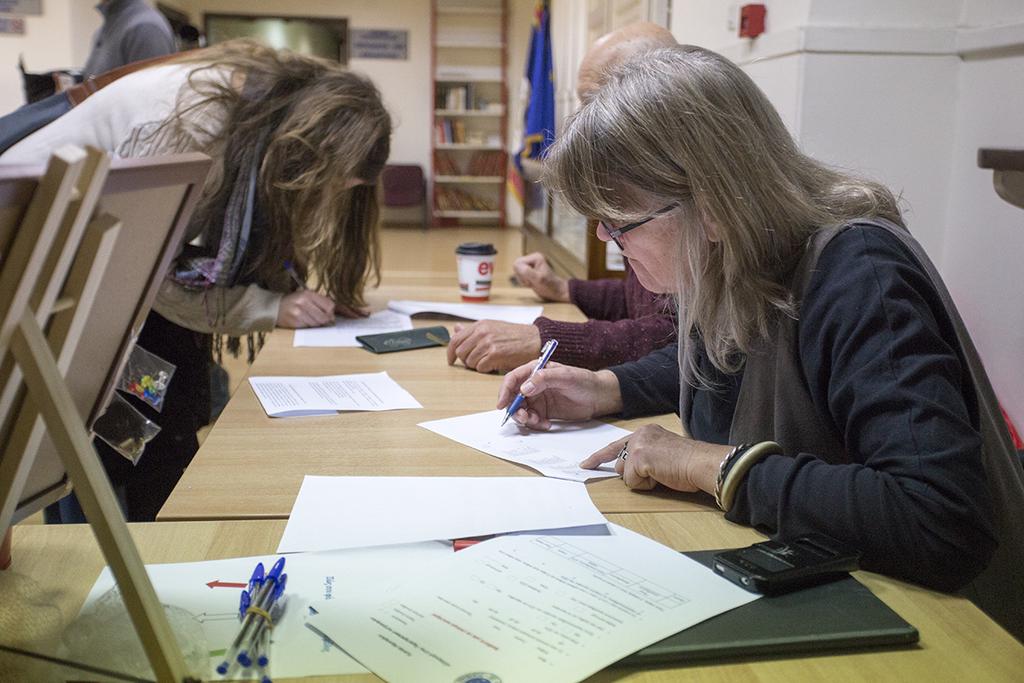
958,642
413,256
251,466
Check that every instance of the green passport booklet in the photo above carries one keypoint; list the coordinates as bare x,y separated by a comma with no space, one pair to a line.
418,338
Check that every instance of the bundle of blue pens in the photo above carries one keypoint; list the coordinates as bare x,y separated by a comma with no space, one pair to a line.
258,609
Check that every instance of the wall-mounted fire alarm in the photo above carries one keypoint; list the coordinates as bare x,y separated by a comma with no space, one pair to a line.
751,21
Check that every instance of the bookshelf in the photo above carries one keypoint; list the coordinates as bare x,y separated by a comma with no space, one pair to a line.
468,156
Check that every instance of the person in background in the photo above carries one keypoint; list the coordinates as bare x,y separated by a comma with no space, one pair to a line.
626,320
132,30
824,379
296,143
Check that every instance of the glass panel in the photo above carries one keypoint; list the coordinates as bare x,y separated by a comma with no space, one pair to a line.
536,206
569,229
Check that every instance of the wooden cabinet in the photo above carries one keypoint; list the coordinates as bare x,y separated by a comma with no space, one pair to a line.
469,161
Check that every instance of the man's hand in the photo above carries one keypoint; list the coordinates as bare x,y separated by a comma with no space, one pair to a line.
491,345
533,271
305,308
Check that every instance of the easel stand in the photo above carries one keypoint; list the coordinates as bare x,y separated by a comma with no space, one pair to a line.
34,270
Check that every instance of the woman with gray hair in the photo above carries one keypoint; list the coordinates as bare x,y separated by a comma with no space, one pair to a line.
824,379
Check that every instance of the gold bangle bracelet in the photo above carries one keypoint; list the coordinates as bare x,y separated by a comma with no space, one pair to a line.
737,472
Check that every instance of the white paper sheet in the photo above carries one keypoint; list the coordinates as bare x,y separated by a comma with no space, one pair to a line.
210,592
530,608
554,453
302,396
352,512
345,330
524,315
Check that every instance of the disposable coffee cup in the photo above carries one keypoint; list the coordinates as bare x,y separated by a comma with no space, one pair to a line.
476,268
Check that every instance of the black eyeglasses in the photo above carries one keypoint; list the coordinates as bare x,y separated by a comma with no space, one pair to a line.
616,233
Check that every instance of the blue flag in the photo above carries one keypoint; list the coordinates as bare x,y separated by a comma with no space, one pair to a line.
539,131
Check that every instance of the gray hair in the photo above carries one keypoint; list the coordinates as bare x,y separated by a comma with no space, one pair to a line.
686,125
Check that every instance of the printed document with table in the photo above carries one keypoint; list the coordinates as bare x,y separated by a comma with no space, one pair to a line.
529,608
305,396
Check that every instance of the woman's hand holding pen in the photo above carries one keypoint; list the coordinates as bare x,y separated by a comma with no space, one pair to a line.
305,308
559,392
351,311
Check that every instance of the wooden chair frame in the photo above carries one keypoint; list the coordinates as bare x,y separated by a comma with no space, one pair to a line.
48,268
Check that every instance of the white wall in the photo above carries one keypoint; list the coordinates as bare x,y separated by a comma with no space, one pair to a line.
984,240
906,92
885,13
888,117
85,21
991,12
713,23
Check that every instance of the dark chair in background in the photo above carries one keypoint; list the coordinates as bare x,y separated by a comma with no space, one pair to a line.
404,186
38,86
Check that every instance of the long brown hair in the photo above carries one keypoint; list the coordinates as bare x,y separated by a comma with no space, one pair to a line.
321,126
685,125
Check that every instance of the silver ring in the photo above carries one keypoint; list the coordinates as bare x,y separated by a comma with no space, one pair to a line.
624,453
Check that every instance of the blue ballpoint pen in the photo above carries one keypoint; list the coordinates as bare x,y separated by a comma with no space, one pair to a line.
256,652
263,657
545,356
273,587
290,269
255,582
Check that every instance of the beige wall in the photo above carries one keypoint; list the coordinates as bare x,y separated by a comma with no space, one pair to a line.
46,45
60,38
405,85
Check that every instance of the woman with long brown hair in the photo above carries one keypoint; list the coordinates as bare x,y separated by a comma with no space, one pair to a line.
297,145
824,379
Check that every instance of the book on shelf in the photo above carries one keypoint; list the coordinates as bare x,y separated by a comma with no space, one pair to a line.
455,199
447,131
444,164
462,72
460,98
487,164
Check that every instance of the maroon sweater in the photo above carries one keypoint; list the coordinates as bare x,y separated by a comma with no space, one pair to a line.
626,323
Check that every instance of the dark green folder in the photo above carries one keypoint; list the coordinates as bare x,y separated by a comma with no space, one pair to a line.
419,338
829,617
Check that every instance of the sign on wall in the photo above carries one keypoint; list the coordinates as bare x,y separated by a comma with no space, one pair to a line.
12,26
21,7
377,44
